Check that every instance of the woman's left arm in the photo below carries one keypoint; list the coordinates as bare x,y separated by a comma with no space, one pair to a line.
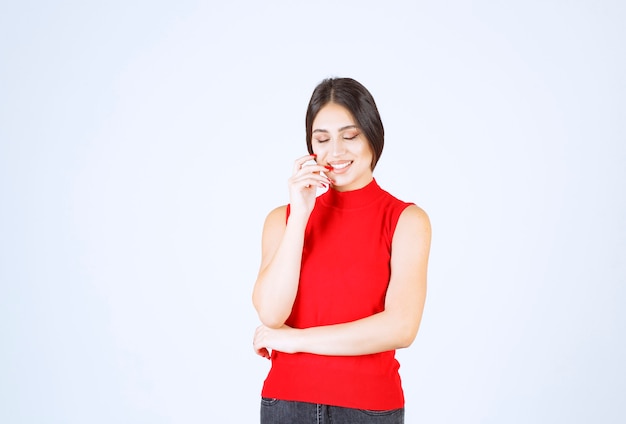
393,328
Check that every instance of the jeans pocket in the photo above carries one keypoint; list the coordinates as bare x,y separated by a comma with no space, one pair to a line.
268,401
381,413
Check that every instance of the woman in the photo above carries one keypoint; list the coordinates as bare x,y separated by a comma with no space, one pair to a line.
342,281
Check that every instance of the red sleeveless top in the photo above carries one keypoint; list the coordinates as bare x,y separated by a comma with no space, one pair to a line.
344,277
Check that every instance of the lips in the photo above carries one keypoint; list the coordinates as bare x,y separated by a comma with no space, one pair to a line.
339,167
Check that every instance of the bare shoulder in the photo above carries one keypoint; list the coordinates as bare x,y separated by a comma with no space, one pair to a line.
414,219
273,230
275,224
411,240
277,217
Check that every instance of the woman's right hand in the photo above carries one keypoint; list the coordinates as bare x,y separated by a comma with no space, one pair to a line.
303,184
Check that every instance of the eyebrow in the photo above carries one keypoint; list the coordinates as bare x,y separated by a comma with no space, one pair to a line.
347,127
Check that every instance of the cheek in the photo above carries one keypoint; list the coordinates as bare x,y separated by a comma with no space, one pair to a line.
318,149
366,150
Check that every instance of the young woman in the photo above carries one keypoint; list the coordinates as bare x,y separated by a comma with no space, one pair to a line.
342,281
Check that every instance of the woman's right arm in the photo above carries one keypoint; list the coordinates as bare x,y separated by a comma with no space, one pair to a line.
277,284
281,252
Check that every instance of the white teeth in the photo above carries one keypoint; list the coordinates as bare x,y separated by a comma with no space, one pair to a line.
343,165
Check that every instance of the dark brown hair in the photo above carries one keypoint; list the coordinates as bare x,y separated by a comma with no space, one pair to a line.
352,95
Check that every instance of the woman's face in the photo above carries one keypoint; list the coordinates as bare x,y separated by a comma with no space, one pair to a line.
338,142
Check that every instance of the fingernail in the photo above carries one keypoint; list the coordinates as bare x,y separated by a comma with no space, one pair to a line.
330,168
314,155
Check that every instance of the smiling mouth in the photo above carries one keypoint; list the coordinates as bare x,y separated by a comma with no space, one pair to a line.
340,166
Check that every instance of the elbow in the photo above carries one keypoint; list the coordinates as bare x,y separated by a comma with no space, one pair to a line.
405,340
406,334
269,314
271,320
269,317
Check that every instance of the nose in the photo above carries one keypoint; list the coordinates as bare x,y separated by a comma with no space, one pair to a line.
338,148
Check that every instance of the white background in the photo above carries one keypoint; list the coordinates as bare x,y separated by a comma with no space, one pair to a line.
142,144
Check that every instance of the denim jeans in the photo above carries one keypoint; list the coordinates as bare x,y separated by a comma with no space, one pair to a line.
275,411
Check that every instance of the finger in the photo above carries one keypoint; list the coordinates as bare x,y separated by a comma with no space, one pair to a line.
309,180
263,352
315,172
258,343
313,168
299,163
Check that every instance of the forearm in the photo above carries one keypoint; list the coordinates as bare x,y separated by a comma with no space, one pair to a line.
277,284
378,333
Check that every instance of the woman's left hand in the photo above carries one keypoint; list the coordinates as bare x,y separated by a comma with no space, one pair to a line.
266,339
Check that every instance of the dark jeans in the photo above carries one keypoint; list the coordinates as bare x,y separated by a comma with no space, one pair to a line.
274,411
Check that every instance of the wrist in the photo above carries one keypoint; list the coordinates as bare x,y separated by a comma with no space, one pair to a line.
295,340
298,219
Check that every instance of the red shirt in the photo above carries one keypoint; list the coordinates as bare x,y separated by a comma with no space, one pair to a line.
344,277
